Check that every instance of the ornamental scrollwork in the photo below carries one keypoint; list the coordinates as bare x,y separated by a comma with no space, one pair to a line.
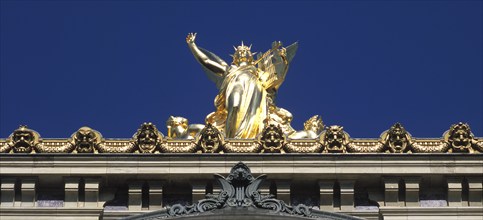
240,189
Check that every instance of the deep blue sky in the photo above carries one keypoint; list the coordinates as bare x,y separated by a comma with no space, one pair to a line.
361,64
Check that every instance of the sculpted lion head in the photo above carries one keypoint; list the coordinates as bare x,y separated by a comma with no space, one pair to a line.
86,140
210,139
460,137
147,138
335,139
396,139
272,139
23,140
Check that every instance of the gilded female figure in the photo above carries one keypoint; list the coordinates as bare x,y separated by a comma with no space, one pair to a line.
245,103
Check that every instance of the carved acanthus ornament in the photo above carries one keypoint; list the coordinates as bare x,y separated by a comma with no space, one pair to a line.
240,189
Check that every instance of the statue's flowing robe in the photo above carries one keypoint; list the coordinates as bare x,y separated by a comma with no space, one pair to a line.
241,104
246,101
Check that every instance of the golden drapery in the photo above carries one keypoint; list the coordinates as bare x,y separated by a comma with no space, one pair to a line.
248,88
241,104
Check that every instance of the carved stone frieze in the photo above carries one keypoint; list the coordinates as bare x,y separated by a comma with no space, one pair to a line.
147,139
117,146
365,146
458,139
303,146
430,146
242,146
179,146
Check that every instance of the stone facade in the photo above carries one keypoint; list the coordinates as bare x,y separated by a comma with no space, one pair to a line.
371,186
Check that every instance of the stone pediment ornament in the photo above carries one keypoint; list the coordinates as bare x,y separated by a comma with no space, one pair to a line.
240,197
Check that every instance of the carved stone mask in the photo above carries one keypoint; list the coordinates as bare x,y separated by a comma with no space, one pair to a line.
460,137
147,138
85,140
23,140
272,138
397,139
335,139
210,139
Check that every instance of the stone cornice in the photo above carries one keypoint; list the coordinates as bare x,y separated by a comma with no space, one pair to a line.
316,164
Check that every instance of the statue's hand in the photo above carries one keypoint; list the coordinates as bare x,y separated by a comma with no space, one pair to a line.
190,39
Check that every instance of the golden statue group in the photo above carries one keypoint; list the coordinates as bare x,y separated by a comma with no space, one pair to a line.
245,108
245,104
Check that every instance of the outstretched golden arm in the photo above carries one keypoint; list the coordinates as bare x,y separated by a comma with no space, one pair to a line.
217,67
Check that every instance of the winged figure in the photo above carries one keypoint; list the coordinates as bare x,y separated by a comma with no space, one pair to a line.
245,104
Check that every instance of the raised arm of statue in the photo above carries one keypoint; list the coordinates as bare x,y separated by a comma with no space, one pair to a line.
214,66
